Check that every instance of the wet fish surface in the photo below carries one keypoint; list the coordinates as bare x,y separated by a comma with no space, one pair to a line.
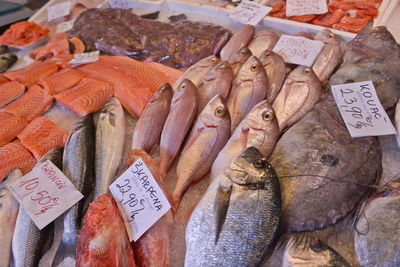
265,39
238,59
6,61
239,39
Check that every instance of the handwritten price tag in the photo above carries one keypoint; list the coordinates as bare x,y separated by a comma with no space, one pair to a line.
140,199
119,4
361,109
249,12
305,7
84,58
45,193
58,11
298,50
64,26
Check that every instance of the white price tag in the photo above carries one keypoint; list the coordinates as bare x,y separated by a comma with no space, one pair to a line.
361,109
119,4
298,50
249,12
45,193
58,11
64,26
140,199
305,7
84,58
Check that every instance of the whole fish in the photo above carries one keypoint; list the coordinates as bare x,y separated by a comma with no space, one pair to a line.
275,67
149,126
103,240
8,215
209,135
196,72
217,81
377,235
305,251
329,57
110,136
248,89
265,39
238,40
299,93
238,59
78,166
28,241
177,126
237,219
6,61
258,129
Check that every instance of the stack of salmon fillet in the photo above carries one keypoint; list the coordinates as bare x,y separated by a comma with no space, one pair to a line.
29,92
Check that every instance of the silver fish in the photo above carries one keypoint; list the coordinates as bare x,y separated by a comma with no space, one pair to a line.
149,126
258,129
299,93
78,166
8,215
208,137
265,39
248,89
177,126
329,57
275,67
6,61
110,136
217,81
237,219
239,39
238,59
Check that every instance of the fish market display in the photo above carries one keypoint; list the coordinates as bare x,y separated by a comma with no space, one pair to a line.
103,240
258,129
8,215
148,128
110,137
6,61
275,67
119,32
177,126
237,219
10,91
238,59
209,135
263,40
240,38
248,89
10,126
299,93
23,33
306,251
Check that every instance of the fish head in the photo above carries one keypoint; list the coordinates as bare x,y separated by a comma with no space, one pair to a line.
250,69
262,116
268,57
303,74
250,168
207,62
222,70
164,91
186,87
327,37
215,113
239,58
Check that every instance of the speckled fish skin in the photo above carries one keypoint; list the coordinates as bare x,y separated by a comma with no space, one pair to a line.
6,61
377,237
329,57
8,215
209,135
320,145
310,252
148,128
197,71
239,39
177,126
238,59
237,219
248,89
217,81
275,67
299,93
265,39
78,166
110,136
259,129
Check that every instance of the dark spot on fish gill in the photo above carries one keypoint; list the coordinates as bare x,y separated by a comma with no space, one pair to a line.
375,72
329,160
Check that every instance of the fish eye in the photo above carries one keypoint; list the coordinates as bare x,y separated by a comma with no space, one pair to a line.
267,54
260,163
307,70
183,85
268,116
316,245
221,67
242,52
375,72
331,35
253,67
219,112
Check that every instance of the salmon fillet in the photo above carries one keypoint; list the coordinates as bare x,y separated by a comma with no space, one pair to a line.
86,97
33,103
3,79
10,126
79,46
172,74
32,73
15,156
42,135
9,91
61,81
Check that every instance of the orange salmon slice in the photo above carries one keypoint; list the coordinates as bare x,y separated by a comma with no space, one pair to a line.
32,73
42,135
15,156
79,46
10,91
61,81
3,79
86,97
172,74
10,126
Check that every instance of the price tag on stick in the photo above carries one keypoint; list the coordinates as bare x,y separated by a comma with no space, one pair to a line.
361,109
58,11
305,7
45,193
249,12
140,199
64,26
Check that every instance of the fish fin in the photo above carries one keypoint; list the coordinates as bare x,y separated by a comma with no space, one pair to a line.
221,205
66,249
244,135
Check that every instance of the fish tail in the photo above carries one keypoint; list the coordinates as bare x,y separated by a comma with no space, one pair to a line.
66,249
176,198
